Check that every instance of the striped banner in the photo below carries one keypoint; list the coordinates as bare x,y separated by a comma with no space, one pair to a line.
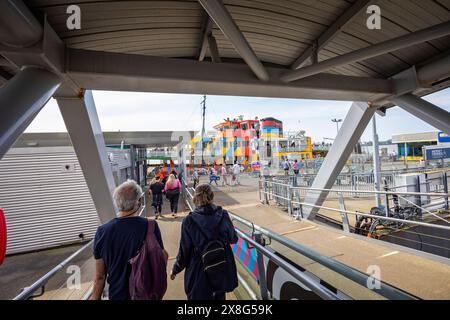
246,255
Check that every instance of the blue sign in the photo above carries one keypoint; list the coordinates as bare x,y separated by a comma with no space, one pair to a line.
438,153
443,137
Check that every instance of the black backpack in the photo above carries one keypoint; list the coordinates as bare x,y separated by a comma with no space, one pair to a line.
214,259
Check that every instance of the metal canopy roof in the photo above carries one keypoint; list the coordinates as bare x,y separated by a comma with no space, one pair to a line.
167,46
278,31
139,138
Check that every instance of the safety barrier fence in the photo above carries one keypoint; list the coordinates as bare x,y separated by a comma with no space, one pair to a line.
78,257
355,183
266,242
400,211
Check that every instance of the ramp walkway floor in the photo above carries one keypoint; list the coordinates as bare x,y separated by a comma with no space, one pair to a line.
170,231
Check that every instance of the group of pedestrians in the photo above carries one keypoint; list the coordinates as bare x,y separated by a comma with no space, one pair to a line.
130,256
171,188
228,176
287,166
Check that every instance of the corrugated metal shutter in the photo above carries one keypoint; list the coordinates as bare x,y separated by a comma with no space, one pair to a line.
45,198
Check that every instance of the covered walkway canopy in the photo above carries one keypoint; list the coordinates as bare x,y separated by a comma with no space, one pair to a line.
314,49
143,139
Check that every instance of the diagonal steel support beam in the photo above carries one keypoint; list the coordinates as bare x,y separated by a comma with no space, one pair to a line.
213,49
355,123
217,11
422,109
80,117
331,32
408,40
21,99
206,32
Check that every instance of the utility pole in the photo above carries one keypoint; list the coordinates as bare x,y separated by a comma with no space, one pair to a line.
203,128
376,162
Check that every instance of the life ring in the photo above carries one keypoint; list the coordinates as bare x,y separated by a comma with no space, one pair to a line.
2,236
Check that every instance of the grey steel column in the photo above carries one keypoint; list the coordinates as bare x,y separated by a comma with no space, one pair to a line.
21,99
81,119
376,161
351,130
422,109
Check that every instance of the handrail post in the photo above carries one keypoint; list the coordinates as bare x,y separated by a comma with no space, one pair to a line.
386,199
345,223
266,191
445,180
289,199
261,269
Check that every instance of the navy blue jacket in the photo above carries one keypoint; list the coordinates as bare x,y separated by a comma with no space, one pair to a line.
192,241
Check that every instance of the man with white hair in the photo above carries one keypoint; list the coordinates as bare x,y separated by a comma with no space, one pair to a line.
119,240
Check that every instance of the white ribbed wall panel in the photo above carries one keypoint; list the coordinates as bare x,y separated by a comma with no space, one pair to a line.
45,205
121,158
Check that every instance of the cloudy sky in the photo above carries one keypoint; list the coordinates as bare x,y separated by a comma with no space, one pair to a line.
130,111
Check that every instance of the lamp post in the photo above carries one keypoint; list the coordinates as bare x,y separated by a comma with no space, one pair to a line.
337,124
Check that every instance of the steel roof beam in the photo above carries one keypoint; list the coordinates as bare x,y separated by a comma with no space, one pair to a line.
18,26
21,99
129,72
434,71
424,110
217,11
331,32
213,49
81,120
408,40
352,128
418,79
206,32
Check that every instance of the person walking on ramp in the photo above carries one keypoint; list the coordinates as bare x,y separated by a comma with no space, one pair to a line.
156,191
205,251
173,190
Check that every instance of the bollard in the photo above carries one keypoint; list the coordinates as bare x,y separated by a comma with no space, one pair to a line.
261,269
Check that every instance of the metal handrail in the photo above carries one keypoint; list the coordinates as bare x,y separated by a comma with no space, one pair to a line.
418,223
412,222
27,292
321,291
406,193
354,275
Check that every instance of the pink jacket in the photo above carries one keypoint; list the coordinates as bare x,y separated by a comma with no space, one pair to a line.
176,186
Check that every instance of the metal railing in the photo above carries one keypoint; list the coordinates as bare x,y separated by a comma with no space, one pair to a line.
401,211
28,292
285,194
385,290
353,183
